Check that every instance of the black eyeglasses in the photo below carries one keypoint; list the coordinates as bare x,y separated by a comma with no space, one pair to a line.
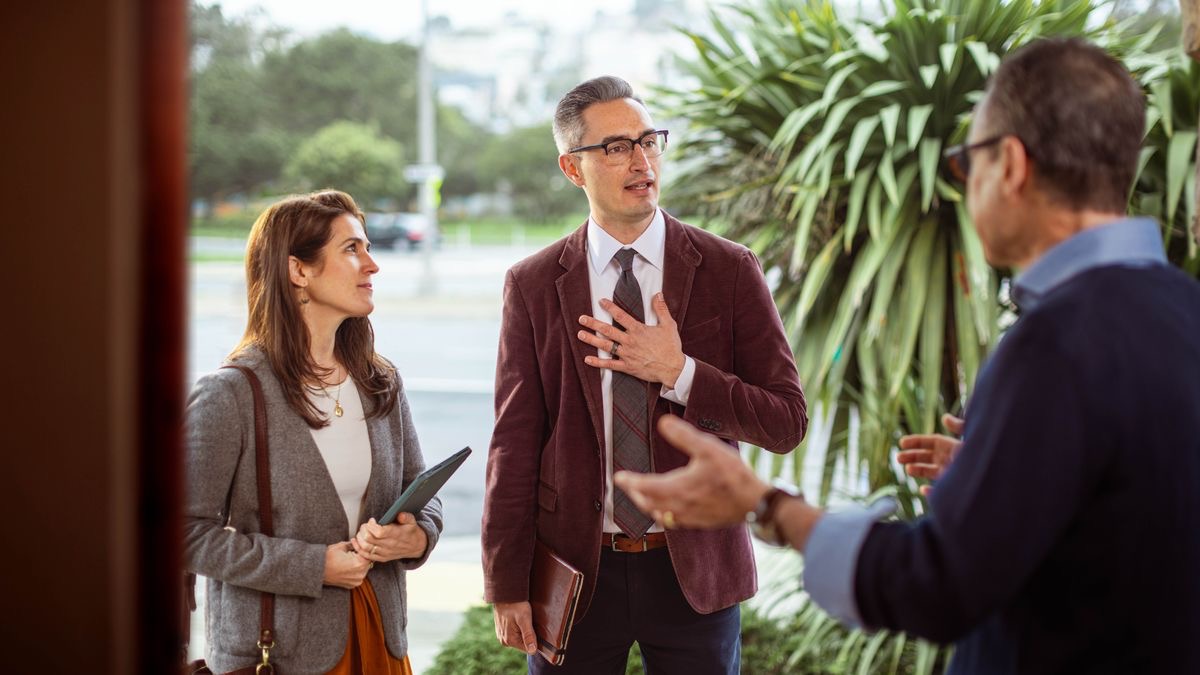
958,157
653,143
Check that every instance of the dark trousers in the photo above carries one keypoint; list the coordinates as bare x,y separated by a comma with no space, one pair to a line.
638,599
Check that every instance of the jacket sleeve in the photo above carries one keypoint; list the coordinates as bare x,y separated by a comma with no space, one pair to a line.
430,517
217,437
509,500
1030,458
761,401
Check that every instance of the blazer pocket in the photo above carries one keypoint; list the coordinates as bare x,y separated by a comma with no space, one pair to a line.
702,340
547,497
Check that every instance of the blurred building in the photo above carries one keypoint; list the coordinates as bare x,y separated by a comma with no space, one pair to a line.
513,73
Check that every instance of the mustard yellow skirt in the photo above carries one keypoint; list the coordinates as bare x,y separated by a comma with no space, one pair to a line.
366,650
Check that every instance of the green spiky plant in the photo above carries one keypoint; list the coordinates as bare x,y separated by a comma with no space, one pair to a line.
817,140
1166,187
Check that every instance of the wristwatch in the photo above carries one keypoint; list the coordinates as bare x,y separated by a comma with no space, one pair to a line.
762,518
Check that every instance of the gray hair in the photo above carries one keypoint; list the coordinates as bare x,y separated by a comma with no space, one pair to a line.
568,117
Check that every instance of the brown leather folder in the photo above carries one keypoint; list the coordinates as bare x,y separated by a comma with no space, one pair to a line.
554,588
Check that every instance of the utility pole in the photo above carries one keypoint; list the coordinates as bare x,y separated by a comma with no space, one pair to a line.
430,174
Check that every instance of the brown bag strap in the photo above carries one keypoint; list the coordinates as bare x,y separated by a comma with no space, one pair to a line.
262,463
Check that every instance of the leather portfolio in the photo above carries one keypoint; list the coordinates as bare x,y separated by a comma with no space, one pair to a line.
554,588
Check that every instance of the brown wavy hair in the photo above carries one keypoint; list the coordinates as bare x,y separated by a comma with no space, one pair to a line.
301,226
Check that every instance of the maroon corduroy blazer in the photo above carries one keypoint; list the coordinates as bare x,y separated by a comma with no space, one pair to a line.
545,472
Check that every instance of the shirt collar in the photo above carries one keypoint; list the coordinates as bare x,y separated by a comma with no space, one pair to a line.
1129,241
651,244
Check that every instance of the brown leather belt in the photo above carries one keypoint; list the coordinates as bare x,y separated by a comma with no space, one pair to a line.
626,544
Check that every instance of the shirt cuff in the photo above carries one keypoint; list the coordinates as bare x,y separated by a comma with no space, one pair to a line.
683,383
831,558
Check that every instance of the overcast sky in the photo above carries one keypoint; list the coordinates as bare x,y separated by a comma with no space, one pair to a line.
397,19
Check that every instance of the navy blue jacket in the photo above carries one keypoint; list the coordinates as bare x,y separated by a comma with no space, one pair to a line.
1065,538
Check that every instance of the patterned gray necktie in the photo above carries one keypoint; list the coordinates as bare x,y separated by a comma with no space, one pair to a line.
630,398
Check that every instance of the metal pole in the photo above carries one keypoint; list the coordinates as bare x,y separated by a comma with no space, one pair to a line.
427,149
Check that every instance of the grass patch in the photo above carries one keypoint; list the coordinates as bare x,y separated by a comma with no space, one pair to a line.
497,231
216,257
233,225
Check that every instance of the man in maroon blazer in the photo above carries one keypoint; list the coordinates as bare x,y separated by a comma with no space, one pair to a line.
580,380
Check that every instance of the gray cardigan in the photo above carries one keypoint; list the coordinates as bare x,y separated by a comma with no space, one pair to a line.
311,620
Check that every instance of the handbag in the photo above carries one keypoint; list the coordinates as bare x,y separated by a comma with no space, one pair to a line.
262,460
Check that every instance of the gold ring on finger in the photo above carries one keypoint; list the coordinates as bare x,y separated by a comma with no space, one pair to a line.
669,520
613,351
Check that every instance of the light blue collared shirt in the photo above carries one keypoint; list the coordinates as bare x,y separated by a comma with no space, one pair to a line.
1133,242
831,554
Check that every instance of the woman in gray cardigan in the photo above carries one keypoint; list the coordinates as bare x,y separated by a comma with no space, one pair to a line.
342,449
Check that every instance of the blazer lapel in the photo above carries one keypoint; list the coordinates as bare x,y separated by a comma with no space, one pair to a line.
679,268
575,299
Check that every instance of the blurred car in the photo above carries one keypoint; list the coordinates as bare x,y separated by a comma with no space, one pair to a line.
385,229
417,230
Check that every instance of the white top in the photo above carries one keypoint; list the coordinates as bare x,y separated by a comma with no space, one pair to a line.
603,273
345,446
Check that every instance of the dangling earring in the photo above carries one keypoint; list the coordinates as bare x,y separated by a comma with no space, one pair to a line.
303,297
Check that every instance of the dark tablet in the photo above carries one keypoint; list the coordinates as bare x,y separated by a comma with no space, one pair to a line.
425,486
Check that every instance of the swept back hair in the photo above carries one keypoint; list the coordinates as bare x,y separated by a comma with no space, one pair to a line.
568,116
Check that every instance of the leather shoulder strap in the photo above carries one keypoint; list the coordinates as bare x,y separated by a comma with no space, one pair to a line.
262,453
262,463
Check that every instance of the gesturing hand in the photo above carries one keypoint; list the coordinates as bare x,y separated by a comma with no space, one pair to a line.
650,353
928,455
381,543
714,489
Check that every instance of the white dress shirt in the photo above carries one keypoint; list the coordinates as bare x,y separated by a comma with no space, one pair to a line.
603,272
345,446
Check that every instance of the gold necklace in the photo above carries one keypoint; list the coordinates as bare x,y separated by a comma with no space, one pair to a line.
337,400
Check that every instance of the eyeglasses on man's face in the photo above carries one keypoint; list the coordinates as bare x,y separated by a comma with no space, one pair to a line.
958,157
621,150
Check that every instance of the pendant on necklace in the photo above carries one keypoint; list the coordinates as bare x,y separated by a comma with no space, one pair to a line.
337,408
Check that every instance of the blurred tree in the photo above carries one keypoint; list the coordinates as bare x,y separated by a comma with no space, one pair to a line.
255,99
233,146
353,157
524,163
343,76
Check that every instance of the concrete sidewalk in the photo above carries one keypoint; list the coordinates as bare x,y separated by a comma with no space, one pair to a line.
438,594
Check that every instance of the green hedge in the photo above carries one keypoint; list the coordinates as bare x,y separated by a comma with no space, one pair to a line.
474,649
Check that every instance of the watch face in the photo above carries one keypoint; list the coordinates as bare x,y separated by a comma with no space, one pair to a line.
767,533
762,523
762,519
